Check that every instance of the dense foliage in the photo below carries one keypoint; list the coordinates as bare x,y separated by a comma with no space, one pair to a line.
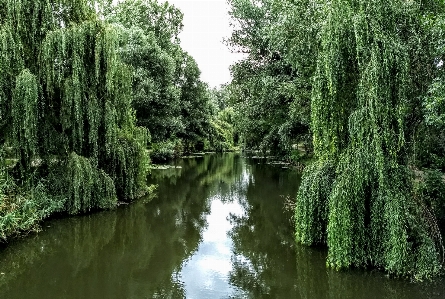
66,110
84,87
271,86
375,65
148,45
223,134
365,79
170,100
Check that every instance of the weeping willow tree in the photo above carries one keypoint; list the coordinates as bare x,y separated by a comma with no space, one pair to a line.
65,100
374,65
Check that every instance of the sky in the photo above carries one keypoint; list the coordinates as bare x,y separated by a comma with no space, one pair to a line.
206,24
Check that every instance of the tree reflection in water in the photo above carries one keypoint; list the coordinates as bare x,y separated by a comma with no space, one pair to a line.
135,251
263,253
141,250
267,263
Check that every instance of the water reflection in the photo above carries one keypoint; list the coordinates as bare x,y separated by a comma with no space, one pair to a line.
133,252
263,257
206,273
266,262
217,230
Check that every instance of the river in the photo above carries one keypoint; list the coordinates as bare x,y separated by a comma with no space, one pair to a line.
217,229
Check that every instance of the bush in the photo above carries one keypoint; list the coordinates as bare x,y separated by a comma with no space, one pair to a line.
22,211
221,137
167,150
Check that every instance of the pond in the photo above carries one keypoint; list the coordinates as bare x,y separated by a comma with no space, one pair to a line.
217,229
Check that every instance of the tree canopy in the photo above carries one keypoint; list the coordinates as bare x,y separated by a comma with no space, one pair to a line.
66,106
169,98
363,79
271,86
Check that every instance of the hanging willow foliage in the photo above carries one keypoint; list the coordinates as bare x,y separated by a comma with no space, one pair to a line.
65,102
358,197
85,182
24,118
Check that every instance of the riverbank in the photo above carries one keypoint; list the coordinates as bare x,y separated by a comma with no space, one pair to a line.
22,210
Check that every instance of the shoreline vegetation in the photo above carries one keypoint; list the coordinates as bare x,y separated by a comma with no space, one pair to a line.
88,92
93,95
360,84
297,162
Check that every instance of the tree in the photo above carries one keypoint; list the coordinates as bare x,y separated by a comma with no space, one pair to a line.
430,135
195,105
66,105
169,98
375,64
270,90
150,45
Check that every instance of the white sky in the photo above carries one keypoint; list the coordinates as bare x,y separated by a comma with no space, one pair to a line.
206,23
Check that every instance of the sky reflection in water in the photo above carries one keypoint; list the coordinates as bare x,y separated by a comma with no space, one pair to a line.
206,274
216,230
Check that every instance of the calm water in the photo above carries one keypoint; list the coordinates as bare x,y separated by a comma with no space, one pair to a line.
216,230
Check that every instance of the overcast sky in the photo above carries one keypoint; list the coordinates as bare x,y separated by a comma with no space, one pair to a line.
206,23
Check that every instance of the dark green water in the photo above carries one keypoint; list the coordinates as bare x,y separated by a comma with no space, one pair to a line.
217,230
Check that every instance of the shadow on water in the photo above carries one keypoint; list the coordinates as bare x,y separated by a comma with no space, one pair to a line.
217,215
